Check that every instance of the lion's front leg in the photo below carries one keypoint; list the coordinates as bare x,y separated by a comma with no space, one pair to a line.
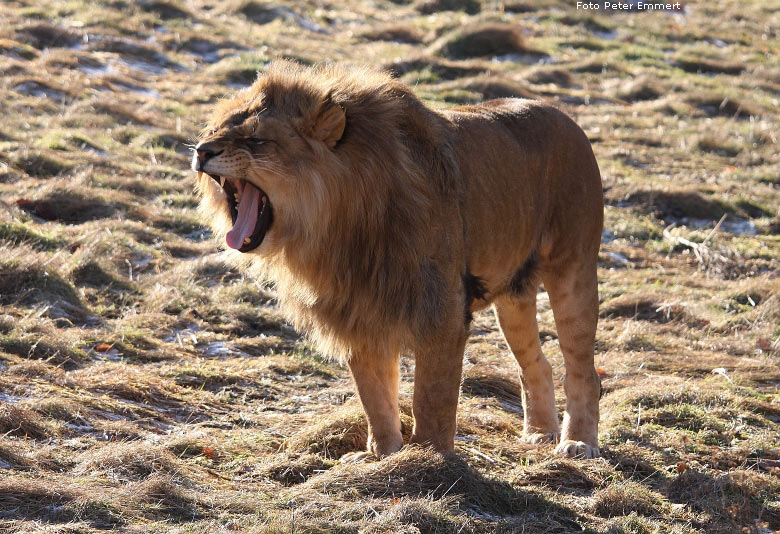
376,377
437,374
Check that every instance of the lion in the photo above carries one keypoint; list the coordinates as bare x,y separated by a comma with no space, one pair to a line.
386,224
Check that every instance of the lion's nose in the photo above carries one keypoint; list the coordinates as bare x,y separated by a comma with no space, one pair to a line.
206,151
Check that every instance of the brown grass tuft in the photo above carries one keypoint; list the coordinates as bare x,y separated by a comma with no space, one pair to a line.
561,475
11,459
69,205
669,205
49,501
487,40
394,32
714,105
437,67
93,274
425,515
43,35
120,462
645,307
41,165
483,382
639,89
22,422
428,7
164,10
39,347
161,496
343,431
419,472
545,75
739,496
625,498
709,66
291,470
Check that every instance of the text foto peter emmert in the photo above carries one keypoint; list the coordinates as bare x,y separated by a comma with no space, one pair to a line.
638,6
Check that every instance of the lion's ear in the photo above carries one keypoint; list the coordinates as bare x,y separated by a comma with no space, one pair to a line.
329,123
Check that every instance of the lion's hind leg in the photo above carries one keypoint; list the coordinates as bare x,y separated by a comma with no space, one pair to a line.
376,377
573,290
517,318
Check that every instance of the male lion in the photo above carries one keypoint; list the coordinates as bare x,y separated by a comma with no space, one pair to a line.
384,224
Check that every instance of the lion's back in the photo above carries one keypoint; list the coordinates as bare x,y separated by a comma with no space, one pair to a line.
529,171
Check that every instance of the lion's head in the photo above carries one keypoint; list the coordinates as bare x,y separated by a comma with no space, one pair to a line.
268,171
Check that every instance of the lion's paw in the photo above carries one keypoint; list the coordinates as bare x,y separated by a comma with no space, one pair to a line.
576,449
357,457
537,438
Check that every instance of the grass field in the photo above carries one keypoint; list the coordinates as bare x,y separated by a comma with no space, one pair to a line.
147,386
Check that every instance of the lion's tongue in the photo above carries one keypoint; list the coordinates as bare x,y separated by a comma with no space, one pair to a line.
247,217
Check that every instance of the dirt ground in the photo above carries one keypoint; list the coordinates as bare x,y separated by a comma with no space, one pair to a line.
147,386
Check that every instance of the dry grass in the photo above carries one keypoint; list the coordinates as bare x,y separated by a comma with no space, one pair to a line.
146,385
488,40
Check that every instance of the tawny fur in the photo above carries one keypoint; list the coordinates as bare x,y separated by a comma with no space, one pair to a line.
393,222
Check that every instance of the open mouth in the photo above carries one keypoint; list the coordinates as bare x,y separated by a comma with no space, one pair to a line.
250,210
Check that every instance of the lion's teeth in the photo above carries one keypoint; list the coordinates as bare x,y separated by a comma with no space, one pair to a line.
247,240
222,181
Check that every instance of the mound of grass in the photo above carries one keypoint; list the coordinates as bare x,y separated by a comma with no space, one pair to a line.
556,76
644,307
394,32
22,422
164,10
343,431
132,50
419,472
626,498
714,105
9,47
11,459
122,113
69,205
128,461
296,469
485,41
491,87
24,280
16,233
435,69
44,35
719,146
740,496
41,165
261,13
709,66
563,475
92,274
668,205
49,501
37,347
161,496
480,382
639,90
434,6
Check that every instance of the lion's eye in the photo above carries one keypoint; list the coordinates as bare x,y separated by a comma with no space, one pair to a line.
256,140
